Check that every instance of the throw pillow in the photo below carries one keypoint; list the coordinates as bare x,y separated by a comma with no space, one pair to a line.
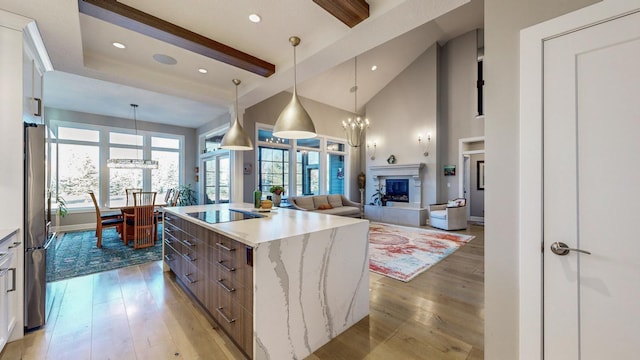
335,200
325,207
305,203
320,200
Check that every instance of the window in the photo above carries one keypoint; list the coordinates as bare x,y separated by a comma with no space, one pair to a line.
318,164
78,161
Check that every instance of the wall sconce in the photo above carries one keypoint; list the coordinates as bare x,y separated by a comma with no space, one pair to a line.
428,145
371,151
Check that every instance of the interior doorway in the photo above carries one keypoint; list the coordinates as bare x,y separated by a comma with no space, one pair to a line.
471,180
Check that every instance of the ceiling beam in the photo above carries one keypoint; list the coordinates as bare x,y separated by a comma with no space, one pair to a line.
350,12
130,18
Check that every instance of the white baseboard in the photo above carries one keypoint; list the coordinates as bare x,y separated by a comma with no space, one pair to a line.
75,227
476,218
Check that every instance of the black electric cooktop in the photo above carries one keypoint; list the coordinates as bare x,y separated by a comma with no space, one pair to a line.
220,216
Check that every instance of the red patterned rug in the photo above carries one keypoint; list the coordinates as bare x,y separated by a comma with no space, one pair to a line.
402,253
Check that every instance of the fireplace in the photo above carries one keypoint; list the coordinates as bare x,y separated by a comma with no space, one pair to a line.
397,190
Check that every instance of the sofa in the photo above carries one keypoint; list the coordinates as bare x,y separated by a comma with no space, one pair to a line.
449,216
327,204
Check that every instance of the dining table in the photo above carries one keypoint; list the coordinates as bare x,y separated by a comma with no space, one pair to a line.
128,209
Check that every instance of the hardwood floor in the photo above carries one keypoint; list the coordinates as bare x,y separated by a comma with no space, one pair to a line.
140,312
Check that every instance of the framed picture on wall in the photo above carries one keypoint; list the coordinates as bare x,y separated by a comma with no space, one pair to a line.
480,175
449,170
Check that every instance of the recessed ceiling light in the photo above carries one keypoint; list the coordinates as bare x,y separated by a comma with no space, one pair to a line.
255,18
202,71
374,68
119,45
165,59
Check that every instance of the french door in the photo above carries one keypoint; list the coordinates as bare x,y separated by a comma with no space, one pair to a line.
217,179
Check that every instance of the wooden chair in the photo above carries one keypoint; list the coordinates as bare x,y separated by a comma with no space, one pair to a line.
105,220
175,197
167,200
129,193
141,221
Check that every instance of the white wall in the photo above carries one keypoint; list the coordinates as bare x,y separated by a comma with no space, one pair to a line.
406,107
503,21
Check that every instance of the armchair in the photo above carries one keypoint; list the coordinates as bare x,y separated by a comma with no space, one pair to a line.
450,216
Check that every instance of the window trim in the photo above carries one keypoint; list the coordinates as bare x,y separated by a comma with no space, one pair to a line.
104,145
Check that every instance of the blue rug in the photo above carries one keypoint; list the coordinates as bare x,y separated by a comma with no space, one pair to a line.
77,254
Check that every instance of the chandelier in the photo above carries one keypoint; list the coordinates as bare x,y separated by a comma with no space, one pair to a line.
355,128
132,163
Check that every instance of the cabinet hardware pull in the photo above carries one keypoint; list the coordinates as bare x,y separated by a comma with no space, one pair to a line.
221,245
188,257
229,269
168,258
15,245
168,241
13,281
189,279
188,243
228,289
219,309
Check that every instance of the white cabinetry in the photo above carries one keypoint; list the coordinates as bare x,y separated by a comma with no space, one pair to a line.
8,286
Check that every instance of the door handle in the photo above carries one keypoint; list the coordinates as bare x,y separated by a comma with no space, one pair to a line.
560,248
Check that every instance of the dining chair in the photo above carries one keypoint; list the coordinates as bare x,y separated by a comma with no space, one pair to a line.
105,220
175,197
141,220
129,193
167,199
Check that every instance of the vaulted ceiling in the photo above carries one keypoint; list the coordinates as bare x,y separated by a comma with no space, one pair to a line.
91,75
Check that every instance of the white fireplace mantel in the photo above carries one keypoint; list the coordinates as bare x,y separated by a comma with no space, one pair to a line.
412,170
409,171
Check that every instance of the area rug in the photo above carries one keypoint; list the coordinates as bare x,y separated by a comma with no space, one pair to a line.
77,254
402,253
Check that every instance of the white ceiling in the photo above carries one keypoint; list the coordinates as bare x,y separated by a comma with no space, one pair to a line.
93,76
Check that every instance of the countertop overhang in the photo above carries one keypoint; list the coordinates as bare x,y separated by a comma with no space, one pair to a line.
277,224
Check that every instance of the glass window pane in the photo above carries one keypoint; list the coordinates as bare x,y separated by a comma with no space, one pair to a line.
274,169
266,135
167,175
78,174
335,171
335,146
165,142
121,179
125,139
212,143
66,133
308,173
311,143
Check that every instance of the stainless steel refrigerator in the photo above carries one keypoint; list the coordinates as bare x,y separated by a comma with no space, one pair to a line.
39,245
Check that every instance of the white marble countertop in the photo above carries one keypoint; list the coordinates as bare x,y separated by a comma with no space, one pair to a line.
6,233
277,224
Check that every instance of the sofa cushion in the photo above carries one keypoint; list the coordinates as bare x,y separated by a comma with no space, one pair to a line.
325,207
319,200
335,200
438,214
305,203
342,211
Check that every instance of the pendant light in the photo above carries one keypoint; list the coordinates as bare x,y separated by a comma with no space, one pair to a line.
355,128
294,122
133,163
236,138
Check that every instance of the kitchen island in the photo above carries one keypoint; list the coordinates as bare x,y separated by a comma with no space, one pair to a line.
280,286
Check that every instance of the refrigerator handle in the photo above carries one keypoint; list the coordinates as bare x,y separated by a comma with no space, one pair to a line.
13,281
15,245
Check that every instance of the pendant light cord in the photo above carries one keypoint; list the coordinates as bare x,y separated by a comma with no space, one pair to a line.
295,75
355,90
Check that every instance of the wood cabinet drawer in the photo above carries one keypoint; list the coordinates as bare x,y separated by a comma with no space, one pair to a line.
235,321
173,259
226,282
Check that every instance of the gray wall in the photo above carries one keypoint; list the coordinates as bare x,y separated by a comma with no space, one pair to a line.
327,119
190,147
503,21
406,107
457,96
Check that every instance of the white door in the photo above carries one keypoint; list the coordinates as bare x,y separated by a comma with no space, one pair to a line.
591,171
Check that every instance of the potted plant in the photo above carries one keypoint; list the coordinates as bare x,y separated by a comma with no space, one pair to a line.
277,192
187,196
